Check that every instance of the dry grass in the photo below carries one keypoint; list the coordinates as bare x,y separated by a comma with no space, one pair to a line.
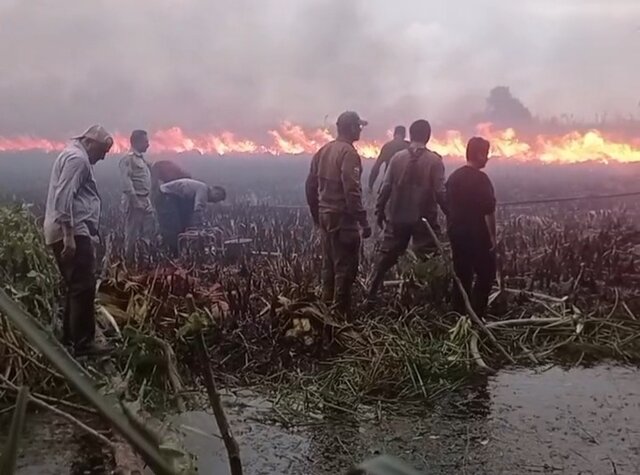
567,293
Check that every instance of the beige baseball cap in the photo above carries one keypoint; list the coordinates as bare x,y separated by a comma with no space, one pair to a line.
97,133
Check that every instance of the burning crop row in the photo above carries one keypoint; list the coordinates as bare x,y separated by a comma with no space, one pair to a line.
292,139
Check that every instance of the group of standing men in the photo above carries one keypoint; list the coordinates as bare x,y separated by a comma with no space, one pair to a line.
72,217
412,190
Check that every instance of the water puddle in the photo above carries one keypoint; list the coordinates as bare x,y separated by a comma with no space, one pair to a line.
576,421
581,420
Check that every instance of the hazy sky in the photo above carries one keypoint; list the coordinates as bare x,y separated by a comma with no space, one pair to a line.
248,64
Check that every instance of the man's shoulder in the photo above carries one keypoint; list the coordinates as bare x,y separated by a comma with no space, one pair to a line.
469,174
73,153
393,146
434,154
400,155
401,144
127,157
337,148
456,174
341,145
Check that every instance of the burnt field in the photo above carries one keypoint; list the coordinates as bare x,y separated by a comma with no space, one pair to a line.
567,294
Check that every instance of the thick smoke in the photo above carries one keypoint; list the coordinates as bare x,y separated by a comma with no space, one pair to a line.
245,65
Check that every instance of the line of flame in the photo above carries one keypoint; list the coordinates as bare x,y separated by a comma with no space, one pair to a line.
292,139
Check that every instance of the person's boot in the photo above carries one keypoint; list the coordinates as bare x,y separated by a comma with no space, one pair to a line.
376,284
377,281
93,349
343,303
327,294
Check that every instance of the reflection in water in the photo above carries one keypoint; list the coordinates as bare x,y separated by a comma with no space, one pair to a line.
584,420
520,421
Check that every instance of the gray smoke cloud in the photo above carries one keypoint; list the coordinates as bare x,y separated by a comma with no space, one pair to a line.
245,65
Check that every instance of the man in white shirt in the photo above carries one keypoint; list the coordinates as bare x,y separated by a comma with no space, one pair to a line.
182,205
71,224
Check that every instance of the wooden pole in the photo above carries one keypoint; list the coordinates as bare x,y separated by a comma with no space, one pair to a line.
467,303
233,450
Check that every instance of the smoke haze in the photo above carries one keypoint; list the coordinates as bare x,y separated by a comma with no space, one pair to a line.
246,65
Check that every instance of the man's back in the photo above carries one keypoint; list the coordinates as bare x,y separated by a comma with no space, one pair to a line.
387,152
165,171
184,187
333,185
470,198
414,184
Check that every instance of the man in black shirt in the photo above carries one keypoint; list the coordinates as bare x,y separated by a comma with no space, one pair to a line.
472,227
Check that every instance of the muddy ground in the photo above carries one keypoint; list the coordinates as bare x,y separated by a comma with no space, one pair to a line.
549,420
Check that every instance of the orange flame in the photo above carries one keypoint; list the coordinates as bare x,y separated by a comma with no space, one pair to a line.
293,139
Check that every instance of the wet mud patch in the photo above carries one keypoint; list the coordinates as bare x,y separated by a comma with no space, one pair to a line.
52,446
548,420
580,420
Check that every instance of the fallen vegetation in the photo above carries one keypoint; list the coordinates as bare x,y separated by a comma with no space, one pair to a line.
567,293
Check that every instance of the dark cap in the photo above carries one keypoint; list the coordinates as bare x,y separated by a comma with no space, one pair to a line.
350,118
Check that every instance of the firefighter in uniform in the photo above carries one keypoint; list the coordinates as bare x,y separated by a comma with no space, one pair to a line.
412,190
135,174
334,196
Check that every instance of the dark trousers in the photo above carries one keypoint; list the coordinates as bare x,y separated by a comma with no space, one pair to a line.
78,274
341,256
394,244
174,217
471,259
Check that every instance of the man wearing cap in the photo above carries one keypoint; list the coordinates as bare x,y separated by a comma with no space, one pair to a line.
71,223
412,189
388,150
334,197
135,176
182,204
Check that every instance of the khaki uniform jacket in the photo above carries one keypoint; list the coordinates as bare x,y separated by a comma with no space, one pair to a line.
333,185
413,186
135,175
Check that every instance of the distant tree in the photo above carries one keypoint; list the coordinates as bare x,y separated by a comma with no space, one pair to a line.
503,108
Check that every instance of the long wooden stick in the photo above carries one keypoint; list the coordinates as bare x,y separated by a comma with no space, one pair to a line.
233,450
81,381
467,303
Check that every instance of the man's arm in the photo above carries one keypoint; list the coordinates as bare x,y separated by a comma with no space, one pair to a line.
311,190
490,219
350,174
437,182
73,174
489,207
375,171
200,200
125,176
385,194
